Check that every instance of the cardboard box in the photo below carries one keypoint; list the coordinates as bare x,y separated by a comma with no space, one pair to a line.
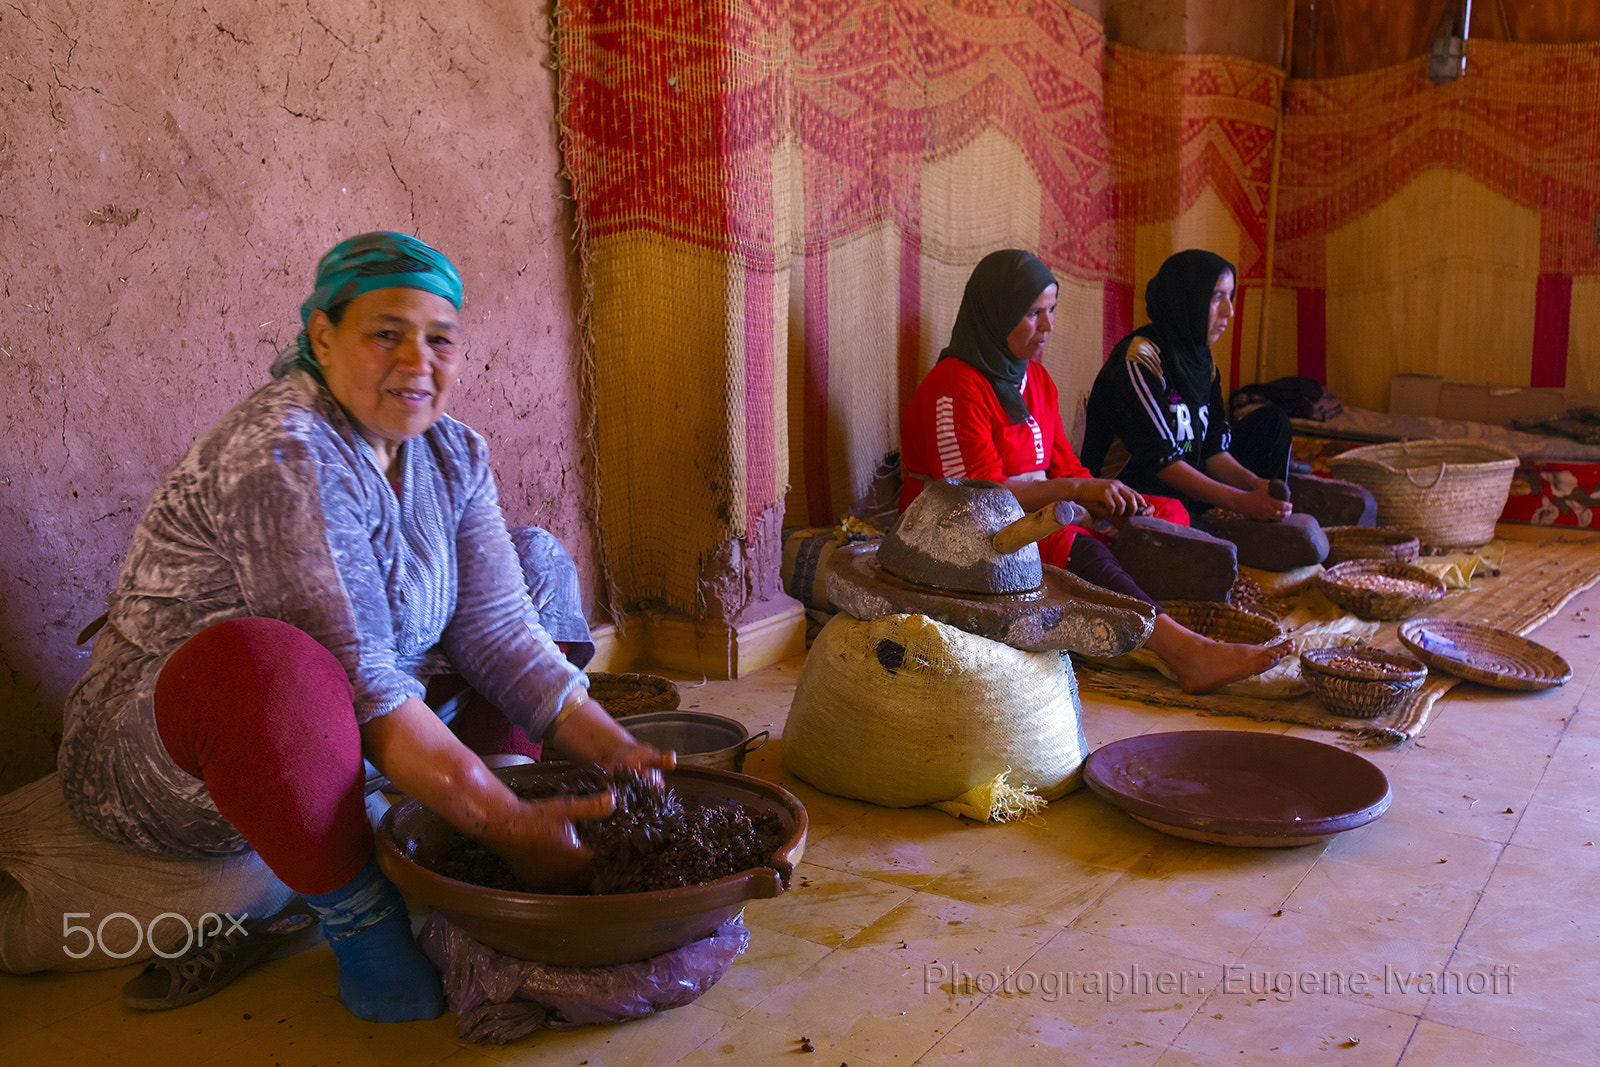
1414,394
1487,402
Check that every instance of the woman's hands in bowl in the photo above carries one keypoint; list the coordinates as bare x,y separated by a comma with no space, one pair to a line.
648,760
590,735
538,840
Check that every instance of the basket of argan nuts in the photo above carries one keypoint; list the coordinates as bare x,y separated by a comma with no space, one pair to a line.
1380,589
1361,683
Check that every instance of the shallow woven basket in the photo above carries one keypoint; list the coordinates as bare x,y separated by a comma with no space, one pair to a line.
1379,684
1484,654
1346,543
633,694
1371,603
1446,493
1223,622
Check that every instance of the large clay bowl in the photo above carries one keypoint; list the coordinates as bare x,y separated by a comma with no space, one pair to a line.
590,931
1241,788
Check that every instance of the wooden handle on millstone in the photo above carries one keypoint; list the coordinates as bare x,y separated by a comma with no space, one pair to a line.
1037,526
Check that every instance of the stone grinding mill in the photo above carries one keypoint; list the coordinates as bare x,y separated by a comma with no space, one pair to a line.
945,668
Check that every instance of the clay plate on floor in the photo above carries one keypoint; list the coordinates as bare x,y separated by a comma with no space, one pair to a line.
1242,788
1484,654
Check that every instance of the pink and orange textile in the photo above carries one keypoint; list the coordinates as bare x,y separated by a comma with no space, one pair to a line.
1522,127
779,201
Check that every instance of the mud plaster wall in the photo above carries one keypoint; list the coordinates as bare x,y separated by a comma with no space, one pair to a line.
169,174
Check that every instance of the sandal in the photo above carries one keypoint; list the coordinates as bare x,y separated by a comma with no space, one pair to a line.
212,965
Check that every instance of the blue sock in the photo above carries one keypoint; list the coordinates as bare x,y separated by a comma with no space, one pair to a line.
383,976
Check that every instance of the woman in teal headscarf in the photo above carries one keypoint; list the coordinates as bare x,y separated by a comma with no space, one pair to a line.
321,551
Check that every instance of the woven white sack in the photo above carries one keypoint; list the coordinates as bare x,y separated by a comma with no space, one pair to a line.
903,710
72,901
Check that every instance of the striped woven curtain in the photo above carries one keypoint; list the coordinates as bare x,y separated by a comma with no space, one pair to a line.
779,204
1192,139
1448,228
671,118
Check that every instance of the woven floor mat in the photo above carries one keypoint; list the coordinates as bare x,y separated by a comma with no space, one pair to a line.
1542,570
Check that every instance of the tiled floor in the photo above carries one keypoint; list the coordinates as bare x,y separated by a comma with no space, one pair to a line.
902,924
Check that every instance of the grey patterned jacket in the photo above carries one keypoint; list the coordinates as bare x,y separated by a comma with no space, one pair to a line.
280,510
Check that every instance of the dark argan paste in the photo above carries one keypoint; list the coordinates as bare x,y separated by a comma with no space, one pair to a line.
652,841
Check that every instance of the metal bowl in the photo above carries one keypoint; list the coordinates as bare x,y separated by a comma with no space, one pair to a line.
699,738
590,931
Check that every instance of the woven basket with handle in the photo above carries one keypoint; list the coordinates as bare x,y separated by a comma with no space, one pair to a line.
1444,492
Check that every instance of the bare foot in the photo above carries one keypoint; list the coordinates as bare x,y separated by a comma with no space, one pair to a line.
1203,664
1225,662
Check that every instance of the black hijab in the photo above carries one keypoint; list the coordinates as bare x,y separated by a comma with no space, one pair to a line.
1178,299
1002,288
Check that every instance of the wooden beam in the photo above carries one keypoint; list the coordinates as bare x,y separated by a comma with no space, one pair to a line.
1272,193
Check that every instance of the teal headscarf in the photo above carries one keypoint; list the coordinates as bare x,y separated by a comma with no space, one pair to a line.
378,260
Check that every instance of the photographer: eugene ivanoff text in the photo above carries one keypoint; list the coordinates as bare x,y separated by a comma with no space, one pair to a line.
1237,980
